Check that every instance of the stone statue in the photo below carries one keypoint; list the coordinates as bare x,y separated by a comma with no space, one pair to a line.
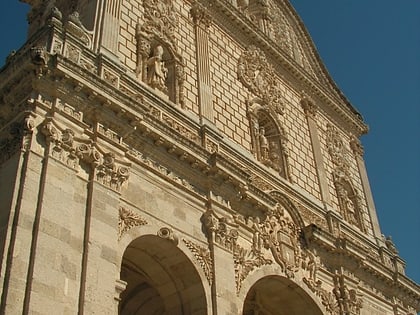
156,70
263,144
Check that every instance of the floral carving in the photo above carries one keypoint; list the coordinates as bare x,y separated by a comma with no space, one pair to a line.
127,220
245,262
203,256
259,77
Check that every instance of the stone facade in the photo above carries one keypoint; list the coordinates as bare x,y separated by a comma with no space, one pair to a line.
185,157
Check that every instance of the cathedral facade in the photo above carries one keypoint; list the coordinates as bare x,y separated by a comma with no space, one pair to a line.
185,157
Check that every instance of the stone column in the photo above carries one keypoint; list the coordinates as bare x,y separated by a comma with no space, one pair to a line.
310,110
358,151
202,21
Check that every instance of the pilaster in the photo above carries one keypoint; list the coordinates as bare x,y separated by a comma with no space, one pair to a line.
310,110
202,21
358,151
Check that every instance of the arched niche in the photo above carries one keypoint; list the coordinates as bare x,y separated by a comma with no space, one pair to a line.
161,67
349,201
276,295
160,279
269,140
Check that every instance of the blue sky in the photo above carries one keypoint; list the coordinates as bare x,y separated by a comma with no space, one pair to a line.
372,50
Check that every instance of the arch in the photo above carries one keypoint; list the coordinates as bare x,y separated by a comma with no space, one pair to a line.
265,292
161,279
268,137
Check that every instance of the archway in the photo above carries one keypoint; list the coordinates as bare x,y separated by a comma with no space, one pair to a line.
161,280
275,295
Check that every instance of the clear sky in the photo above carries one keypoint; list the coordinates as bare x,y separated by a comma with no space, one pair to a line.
372,50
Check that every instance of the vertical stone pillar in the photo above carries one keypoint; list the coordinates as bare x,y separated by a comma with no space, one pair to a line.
358,151
202,22
310,110
222,238
108,27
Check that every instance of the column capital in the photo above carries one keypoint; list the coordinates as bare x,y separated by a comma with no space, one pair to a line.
308,104
200,15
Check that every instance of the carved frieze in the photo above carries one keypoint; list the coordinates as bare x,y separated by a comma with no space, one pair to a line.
128,219
203,256
259,77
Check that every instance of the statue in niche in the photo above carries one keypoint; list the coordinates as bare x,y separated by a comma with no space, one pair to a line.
264,147
157,71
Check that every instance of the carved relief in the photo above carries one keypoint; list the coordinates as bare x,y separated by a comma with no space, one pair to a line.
203,256
127,220
245,262
168,234
65,147
221,230
259,77
16,138
349,300
269,140
158,62
349,199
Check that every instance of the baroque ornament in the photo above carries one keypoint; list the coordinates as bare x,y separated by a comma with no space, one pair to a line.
203,256
127,220
259,77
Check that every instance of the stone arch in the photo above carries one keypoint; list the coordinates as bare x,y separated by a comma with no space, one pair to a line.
277,295
268,137
161,277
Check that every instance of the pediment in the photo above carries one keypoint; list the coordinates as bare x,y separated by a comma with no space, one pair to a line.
280,22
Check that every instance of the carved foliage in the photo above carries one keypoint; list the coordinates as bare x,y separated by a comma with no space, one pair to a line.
70,149
259,77
203,256
17,137
220,230
127,220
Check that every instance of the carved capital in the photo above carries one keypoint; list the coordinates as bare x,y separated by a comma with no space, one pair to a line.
356,146
200,15
308,105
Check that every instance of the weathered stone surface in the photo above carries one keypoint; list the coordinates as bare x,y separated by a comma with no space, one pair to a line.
184,157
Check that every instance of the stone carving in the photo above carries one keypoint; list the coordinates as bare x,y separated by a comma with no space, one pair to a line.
39,58
278,234
110,173
221,230
245,262
168,234
16,138
259,77
158,62
390,245
65,147
348,197
308,104
75,27
356,146
349,300
157,73
200,15
203,256
127,220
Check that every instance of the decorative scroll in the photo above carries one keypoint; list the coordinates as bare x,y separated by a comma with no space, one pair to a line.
259,77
